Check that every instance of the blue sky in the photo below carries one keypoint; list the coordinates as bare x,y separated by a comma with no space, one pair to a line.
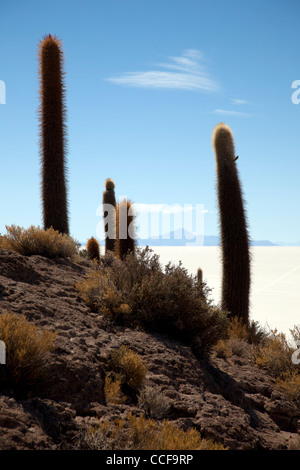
147,81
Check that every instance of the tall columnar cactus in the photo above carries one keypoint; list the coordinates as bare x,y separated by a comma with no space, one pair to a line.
200,281
52,134
234,232
109,214
125,229
199,276
93,249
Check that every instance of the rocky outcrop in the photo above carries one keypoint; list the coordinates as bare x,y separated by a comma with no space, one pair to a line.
230,401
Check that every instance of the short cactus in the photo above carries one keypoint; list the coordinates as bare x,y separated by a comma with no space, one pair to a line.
234,234
109,214
199,276
93,249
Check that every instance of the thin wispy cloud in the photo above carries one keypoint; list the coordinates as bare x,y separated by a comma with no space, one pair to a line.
185,72
229,112
239,101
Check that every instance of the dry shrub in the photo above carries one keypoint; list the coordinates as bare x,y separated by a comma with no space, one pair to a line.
35,241
275,356
147,434
242,340
237,329
238,338
138,292
252,333
289,384
94,288
27,350
153,402
129,366
222,349
112,391
140,433
294,444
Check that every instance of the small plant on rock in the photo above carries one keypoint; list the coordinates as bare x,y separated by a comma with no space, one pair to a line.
27,351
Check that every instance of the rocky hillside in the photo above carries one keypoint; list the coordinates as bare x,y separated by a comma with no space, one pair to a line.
230,401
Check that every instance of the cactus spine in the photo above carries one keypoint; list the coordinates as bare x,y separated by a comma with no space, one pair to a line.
125,229
234,233
52,133
109,214
93,249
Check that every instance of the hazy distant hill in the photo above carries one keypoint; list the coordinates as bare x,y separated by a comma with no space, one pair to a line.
288,243
184,238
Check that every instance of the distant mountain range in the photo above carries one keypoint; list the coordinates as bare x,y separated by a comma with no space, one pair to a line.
288,243
184,238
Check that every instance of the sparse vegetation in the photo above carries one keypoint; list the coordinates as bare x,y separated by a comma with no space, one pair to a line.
137,292
270,351
112,390
128,366
36,241
153,402
275,357
27,350
242,340
140,433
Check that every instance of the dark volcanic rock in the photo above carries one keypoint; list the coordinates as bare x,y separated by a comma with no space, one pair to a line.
232,402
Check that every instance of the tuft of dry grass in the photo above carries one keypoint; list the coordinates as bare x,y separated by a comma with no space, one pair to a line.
242,340
275,355
129,366
27,350
153,402
112,390
140,433
36,241
289,384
